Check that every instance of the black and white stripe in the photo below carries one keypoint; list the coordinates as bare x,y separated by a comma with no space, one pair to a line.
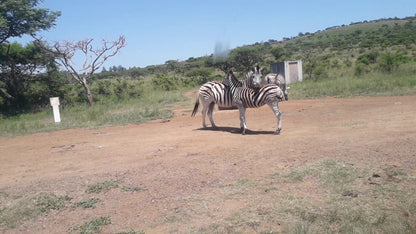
278,79
215,92
269,94
211,93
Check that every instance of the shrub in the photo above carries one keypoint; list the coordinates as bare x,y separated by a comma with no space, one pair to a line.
165,82
369,58
391,61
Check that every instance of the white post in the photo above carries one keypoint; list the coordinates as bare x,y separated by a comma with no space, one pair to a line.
55,107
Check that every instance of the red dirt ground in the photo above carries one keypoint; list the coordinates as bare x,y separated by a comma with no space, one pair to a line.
181,164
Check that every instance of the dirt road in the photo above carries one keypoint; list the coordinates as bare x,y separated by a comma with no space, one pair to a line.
181,166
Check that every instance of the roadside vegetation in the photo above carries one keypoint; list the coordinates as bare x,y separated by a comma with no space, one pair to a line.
370,58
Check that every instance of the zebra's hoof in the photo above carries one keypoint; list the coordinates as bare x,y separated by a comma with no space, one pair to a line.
277,132
243,131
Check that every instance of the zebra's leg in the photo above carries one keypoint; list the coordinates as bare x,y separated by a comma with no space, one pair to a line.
243,125
204,113
210,111
275,107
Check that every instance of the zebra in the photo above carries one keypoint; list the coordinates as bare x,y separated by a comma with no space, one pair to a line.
269,94
276,78
215,92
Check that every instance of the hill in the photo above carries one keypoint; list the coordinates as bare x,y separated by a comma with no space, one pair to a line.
362,47
372,57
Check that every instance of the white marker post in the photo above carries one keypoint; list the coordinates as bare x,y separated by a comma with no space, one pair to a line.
55,107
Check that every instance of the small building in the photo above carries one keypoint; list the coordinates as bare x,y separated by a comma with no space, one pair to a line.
291,70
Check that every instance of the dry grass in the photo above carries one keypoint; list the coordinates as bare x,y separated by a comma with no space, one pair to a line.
324,196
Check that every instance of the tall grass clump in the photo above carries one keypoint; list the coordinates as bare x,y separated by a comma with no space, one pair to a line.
374,84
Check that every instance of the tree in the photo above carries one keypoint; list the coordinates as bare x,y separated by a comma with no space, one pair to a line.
93,58
220,63
19,17
279,53
18,64
19,69
391,61
245,58
173,65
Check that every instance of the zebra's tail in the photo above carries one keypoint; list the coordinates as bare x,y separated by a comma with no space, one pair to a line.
195,107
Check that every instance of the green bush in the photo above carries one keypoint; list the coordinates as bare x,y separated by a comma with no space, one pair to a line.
197,77
368,58
166,82
389,62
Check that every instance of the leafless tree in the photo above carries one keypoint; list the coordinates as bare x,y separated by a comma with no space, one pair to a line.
93,58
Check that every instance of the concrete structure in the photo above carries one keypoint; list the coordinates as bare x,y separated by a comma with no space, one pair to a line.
55,107
291,70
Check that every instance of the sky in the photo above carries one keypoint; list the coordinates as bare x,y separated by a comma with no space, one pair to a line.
157,31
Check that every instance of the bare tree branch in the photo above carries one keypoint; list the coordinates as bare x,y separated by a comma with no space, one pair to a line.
93,58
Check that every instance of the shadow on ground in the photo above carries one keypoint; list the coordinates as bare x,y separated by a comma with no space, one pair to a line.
236,130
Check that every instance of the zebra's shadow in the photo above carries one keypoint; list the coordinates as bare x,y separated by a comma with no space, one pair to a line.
233,130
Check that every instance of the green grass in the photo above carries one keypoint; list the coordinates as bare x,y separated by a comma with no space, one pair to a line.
87,203
350,86
152,105
103,186
23,208
133,188
15,208
93,226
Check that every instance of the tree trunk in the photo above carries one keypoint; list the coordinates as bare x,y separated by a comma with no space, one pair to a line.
89,94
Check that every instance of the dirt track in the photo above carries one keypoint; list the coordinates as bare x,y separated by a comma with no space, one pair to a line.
181,164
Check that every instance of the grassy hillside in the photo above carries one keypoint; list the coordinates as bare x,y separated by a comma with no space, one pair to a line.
376,46
382,51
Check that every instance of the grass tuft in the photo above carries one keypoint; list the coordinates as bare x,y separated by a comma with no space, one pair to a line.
87,203
93,226
50,201
103,186
131,232
30,207
133,189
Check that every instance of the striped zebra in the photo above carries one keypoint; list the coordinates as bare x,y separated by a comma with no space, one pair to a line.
269,94
276,78
215,92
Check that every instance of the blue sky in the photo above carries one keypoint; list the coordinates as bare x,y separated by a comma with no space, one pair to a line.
157,31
